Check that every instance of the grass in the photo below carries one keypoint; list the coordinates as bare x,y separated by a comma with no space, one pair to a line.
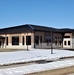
9,49
61,71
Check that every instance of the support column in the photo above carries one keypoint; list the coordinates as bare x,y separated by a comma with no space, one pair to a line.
20,39
33,39
5,42
9,40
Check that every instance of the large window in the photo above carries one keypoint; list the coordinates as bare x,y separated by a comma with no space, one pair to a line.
28,40
6,40
68,42
60,42
65,43
36,39
55,42
55,38
40,39
48,39
22,40
15,40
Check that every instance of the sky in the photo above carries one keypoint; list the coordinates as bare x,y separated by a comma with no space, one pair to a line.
51,13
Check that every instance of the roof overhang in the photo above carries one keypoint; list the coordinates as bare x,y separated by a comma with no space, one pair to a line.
1,37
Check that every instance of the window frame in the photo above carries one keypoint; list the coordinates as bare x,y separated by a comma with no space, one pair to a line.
28,40
6,40
23,39
68,42
15,40
65,42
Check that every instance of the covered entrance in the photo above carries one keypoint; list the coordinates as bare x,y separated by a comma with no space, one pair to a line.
2,39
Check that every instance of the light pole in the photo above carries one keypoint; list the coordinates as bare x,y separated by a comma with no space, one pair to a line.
51,41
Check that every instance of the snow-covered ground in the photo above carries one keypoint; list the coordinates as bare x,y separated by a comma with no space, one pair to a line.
36,68
71,74
33,55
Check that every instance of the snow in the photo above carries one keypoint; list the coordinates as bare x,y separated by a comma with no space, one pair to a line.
71,74
36,68
34,55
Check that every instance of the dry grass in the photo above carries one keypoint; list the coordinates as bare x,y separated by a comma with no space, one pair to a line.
9,49
62,71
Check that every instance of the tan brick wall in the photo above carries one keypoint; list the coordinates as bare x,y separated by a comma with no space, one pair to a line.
58,39
37,33
20,36
40,34
32,37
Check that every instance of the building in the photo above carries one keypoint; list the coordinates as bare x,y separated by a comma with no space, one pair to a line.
34,36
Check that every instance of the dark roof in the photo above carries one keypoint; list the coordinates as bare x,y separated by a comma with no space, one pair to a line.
27,27
30,27
41,28
16,29
44,28
67,30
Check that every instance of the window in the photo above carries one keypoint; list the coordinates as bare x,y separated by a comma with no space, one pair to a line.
48,39
64,42
58,37
55,42
6,40
15,40
40,39
28,40
68,42
37,39
22,40
55,37
60,42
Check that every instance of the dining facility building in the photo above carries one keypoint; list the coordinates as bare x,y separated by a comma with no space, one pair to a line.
35,36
